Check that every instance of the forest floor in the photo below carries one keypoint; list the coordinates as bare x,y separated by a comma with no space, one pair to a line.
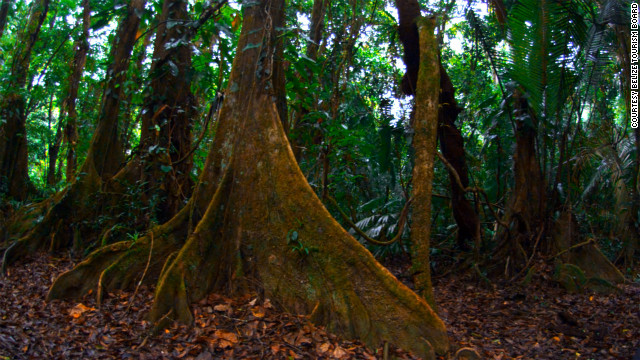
540,321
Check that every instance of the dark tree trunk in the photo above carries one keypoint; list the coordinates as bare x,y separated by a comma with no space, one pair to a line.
81,47
408,13
449,136
525,214
104,157
254,195
4,12
130,121
452,146
68,213
168,112
14,178
316,27
279,79
54,150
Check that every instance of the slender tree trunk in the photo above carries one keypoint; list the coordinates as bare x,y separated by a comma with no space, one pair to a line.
425,125
105,155
81,47
264,229
452,146
14,179
4,12
54,150
525,214
449,136
136,79
279,78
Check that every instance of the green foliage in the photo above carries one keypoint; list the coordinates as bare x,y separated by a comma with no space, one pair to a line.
349,127
296,244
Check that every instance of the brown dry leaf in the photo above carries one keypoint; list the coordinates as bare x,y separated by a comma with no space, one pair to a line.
339,352
258,311
222,308
323,348
79,309
225,335
275,348
224,343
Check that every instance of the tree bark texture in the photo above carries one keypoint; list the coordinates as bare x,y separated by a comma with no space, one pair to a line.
105,155
425,123
449,136
76,205
452,146
168,112
4,13
81,47
263,229
525,214
14,177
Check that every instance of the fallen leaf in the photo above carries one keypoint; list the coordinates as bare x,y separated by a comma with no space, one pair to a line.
325,347
79,309
258,311
221,308
225,335
339,352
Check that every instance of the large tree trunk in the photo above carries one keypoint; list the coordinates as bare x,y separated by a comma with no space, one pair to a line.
81,46
72,210
264,229
105,157
525,213
14,177
167,115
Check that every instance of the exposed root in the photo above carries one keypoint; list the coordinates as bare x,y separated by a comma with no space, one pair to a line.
119,265
242,241
572,248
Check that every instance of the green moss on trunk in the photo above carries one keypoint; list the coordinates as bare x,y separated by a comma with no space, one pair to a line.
425,123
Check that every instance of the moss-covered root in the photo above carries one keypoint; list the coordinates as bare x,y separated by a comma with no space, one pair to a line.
52,232
122,265
24,220
191,272
575,249
337,281
84,277
350,293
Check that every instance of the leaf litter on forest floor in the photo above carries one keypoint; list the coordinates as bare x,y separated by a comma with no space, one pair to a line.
539,321
244,327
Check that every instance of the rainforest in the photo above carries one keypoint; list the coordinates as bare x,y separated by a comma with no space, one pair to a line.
304,179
